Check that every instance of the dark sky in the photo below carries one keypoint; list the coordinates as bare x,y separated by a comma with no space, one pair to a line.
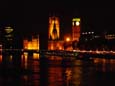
32,17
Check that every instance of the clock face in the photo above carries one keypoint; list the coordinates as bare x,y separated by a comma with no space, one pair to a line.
77,23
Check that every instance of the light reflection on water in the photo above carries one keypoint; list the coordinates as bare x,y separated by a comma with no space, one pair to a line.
0,58
55,71
31,69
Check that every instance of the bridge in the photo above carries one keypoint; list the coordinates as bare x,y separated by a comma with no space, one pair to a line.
65,53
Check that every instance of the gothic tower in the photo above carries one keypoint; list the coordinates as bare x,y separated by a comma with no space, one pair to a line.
54,31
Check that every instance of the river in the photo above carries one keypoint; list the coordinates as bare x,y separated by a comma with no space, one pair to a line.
42,70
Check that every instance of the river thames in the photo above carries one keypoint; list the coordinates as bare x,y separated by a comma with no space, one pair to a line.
43,70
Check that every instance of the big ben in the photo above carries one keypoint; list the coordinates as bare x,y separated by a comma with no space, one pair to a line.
76,29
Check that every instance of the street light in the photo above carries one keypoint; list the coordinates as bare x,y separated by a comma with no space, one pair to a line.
67,39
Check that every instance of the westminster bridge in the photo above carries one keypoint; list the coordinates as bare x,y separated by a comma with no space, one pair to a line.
64,53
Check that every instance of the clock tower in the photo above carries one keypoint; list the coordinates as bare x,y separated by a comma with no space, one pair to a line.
76,29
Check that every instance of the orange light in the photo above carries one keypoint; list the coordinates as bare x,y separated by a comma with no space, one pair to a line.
31,45
67,39
54,21
0,58
35,56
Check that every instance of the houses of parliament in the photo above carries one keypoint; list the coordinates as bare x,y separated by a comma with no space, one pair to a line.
55,42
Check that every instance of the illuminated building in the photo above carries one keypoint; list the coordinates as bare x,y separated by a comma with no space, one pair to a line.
54,28
76,29
32,44
110,36
8,37
54,42
55,45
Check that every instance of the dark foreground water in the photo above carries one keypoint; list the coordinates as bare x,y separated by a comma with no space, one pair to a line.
20,70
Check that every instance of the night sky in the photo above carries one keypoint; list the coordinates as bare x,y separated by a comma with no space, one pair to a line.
32,17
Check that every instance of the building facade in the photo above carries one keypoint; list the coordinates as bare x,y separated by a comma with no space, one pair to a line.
32,44
54,28
54,42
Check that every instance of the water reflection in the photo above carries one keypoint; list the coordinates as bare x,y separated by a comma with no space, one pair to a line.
77,73
9,70
55,76
34,70
24,60
31,70
0,58
59,72
104,65
68,74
